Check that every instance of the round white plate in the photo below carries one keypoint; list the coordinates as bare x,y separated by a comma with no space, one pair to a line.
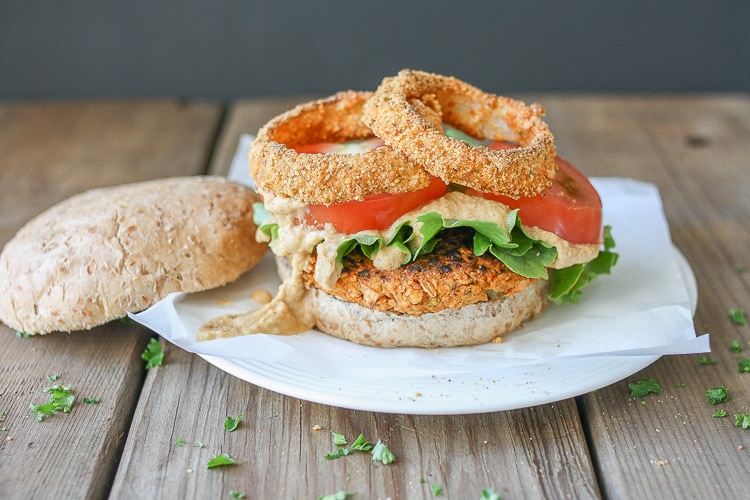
467,391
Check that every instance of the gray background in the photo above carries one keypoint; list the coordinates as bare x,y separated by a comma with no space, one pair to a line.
227,49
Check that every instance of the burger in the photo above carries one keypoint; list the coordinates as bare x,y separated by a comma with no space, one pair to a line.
427,213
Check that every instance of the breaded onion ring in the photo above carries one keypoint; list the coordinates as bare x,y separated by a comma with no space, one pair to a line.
313,178
405,112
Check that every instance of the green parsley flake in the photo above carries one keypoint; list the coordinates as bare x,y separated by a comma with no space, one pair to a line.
61,399
742,420
92,401
743,365
231,424
179,442
736,346
643,387
381,453
489,494
737,316
339,495
341,452
706,360
338,438
153,355
221,461
361,444
236,495
717,395
22,335
437,490
720,414
53,378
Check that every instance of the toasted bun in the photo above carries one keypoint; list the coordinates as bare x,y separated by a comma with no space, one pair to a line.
468,325
100,254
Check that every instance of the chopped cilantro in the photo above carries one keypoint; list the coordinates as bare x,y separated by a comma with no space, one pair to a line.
339,495
236,495
197,444
489,494
736,346
737,316
437,490
231,424
179,441
717,395
153,355
92,401
53,378
338,438
61,399
361,444
720,414
740,269
341,452
742,420
220,461
643,387
22,335
381,453
706,360
743,365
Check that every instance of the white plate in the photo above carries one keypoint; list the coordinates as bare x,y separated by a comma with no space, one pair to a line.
467,391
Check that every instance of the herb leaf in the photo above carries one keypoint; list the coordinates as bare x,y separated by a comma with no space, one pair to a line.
489,494
61,399
437,490
231,424
92,401
742,420
737,316
361,444
736,346
339,495
643,387
153,355
717,395
743,365
220,461
338,438
706,360
381,453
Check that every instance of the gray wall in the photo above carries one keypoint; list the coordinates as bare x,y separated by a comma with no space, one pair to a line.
227,49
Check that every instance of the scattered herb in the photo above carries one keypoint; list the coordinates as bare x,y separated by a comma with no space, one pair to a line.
706,360
338,438
682,384
742,420
53,378
179,442
221,461
736,346
740,269
720,414
341,452
92,401
153,355
236,495
381,453
339,495
61,399
361,444
231,424
197,444
643,387
437,490
490,494
22,335
737,316
743,365
717,395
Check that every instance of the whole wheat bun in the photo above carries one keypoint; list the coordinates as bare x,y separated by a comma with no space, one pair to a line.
100,254
467,325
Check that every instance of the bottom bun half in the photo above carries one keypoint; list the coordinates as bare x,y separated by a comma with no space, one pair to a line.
467,325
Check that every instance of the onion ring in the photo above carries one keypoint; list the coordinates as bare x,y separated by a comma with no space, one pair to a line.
403,112
326,179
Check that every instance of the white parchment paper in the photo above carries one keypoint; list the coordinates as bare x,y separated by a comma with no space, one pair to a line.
644,308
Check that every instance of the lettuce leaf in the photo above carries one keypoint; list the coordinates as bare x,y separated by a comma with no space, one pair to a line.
263,218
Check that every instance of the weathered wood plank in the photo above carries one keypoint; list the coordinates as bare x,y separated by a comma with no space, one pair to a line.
49,152
531,453
696,149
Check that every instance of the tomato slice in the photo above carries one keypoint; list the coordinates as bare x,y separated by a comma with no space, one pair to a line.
377,211
570,208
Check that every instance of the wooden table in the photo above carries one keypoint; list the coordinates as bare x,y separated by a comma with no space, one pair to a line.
604,444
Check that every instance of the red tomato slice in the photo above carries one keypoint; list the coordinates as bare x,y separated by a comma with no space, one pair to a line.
377,211
570,208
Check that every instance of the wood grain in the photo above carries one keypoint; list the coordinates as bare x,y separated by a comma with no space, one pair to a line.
49,152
